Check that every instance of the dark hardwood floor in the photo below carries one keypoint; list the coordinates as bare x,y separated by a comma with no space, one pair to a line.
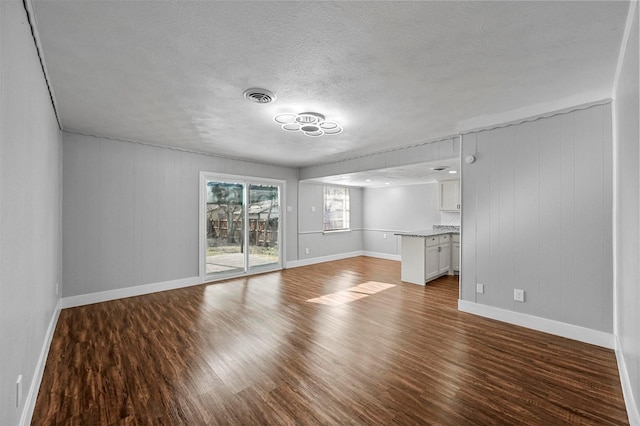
256,351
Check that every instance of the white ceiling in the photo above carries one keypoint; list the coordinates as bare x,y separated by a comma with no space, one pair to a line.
392,73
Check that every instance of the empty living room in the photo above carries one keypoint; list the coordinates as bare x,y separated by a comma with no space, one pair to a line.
319,212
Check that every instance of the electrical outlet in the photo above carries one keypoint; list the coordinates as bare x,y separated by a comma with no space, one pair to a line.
313,209
289,209
480,288
384,236
18,391
518,295
306,251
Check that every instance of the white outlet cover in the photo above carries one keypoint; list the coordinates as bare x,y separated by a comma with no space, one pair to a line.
518,295
480,288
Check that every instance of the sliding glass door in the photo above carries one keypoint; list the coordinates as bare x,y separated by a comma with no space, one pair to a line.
264,225
240,226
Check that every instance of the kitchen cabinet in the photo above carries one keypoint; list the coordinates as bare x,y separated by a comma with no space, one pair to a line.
431,262
444,254
455,253
449,199
425,257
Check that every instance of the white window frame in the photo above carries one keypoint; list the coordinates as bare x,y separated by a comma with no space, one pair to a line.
346,211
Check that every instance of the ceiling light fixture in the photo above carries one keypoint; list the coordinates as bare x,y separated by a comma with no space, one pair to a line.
310,123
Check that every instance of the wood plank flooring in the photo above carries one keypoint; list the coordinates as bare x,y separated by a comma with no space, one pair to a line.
256,351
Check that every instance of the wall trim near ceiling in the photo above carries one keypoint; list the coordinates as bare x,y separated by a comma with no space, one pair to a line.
31,19
175,148
627,389
385,151
570,331
34,386
496,122
623,46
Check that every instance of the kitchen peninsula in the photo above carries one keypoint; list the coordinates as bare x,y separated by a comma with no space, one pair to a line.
429,254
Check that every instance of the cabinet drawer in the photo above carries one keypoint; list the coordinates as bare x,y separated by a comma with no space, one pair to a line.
443,239
431,241
455,238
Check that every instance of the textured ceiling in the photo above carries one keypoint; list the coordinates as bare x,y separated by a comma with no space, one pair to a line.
392,73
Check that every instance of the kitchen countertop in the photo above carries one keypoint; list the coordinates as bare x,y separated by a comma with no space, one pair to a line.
426,233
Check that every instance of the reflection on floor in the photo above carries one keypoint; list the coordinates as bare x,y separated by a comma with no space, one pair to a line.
231,261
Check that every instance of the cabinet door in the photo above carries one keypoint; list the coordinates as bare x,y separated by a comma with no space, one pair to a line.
444,259
455,256
431,263
450,195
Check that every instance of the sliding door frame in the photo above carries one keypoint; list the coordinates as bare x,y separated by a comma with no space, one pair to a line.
202,227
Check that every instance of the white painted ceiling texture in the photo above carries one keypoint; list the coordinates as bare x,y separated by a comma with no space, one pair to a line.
391,73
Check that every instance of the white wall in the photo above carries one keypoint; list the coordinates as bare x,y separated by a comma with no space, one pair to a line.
30,191
398,208
311,224
130,212
627,110
537,215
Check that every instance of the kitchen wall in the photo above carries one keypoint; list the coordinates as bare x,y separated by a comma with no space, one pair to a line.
398,208
627,231
30,204
311,225
537,215
130,212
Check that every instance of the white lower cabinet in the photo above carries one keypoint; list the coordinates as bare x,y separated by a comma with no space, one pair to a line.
425,258
437,256
455,253
431,269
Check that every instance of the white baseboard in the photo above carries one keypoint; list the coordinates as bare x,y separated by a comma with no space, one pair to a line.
34,387
104,296
570,331
322,259
627,389
380,255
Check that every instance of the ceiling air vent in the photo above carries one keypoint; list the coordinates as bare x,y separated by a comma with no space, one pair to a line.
261,96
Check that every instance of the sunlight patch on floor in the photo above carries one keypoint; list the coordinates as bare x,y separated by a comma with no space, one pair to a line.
349,295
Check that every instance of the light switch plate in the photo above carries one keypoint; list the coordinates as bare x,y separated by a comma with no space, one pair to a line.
480,288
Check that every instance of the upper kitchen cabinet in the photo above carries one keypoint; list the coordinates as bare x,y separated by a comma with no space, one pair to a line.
450,196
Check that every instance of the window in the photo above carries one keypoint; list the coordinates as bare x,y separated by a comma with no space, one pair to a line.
336,208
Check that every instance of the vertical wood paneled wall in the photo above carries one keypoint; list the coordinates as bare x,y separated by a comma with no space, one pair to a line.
627,124
30,215
130,212
537,215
